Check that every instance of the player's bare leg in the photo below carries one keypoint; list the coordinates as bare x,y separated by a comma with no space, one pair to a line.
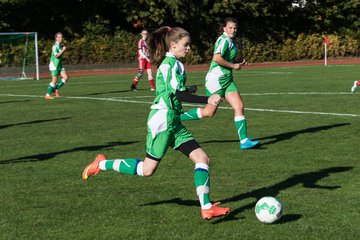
237,104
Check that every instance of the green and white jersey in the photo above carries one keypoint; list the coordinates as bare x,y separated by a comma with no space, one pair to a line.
219,77
164,125
55,63
170,77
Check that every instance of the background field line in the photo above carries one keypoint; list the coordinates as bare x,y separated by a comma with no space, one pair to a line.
193,105
270,93
46,84
298,93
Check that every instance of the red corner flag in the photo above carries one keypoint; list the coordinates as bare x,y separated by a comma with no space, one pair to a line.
327,40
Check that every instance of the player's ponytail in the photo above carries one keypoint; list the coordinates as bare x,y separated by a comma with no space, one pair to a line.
158,42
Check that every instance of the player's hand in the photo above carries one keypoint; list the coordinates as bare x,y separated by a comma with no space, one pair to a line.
214,99
236,66
64,48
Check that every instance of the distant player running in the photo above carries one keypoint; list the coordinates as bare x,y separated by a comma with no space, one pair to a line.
144,62
56,68
355,85
219,80
165,130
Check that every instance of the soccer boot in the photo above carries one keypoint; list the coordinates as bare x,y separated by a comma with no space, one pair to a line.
133,88
93,168
152,89
354,87
48,97
214,211
57,94
249,144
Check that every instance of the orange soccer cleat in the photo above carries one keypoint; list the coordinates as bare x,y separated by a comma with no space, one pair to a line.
48,97
57,94
93,168
214,211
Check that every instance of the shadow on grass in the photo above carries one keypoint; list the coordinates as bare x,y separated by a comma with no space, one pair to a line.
47,156
33,122
101,93
15,101
308,180
285,136
288,218
122,91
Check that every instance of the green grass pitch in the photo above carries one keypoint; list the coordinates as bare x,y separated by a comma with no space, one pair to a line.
306,118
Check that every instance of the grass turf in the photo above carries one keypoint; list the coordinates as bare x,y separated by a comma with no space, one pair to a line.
309,161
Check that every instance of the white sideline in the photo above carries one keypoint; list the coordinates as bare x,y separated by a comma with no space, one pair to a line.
298,93
191,105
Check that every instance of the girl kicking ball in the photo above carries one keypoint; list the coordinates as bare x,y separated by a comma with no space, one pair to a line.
165,130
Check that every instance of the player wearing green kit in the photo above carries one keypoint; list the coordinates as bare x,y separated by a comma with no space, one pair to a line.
219,80
56,68
166,46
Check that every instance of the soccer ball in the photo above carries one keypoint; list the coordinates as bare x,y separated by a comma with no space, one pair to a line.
268,210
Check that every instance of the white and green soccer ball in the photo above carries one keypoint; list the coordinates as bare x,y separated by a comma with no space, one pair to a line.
268,210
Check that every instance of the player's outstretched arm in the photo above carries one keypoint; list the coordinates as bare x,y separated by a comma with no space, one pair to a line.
185,96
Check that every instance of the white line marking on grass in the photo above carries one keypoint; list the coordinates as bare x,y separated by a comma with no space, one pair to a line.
45,84
134,97
298,93
314,66
284,111
192,105
260,73
264,94
303,112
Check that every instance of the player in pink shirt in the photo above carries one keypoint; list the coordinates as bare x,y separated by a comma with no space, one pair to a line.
144,62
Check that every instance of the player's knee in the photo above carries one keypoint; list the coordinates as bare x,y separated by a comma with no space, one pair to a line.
203,158
140,73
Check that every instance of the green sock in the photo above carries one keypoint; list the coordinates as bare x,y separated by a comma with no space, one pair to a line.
131,166
202,183
192,114
240,123
60,84
50,88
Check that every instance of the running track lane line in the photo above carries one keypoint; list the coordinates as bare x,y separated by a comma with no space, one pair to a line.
191,105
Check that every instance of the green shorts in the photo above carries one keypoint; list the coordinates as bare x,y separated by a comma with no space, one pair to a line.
57,71
165,130
231,87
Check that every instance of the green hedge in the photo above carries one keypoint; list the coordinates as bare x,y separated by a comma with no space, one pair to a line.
303,47
121,48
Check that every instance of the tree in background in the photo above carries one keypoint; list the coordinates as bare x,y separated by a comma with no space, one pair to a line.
262,23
